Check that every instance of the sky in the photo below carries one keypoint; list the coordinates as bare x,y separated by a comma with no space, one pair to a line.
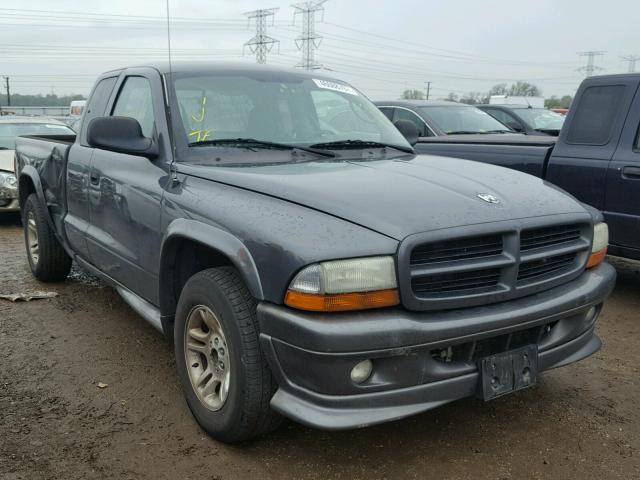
380,47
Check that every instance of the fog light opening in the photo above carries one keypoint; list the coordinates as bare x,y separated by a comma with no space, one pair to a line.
362,371
592,314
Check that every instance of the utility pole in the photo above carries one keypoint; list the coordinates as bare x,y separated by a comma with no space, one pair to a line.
590,68
632,59
6,87
309,41
427,89
261,43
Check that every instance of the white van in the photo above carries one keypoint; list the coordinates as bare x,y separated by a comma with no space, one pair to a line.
77,107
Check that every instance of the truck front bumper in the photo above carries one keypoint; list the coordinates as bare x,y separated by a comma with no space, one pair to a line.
420,359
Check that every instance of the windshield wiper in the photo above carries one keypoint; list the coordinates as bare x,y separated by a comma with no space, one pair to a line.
253,143
465,132
360,144
500,131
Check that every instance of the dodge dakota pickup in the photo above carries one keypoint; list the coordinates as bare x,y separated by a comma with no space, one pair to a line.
596,157
301,257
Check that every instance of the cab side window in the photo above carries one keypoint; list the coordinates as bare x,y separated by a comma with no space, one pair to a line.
506,119
593,122
97,104
388,112
402,114
135,101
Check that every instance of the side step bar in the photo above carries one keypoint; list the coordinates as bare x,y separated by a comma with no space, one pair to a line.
143,308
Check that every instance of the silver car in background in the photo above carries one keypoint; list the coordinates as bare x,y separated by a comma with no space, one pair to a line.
12,127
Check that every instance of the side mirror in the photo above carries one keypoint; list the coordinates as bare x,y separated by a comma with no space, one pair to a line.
121,135
409,130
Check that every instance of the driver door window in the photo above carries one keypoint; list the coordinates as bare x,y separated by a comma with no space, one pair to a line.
505,119
423,130
135,101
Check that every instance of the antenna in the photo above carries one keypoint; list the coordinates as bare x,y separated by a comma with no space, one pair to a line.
169,37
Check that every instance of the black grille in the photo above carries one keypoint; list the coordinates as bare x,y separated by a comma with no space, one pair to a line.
461,249
472,351
549,236
474,281
537,269
458,269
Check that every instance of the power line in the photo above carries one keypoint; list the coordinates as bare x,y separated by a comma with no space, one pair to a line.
261,43
590,68
309,40
631,59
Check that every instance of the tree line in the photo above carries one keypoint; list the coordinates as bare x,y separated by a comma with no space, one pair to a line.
49,100
520,89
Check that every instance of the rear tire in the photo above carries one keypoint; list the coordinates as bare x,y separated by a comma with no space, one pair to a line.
48,260
224,375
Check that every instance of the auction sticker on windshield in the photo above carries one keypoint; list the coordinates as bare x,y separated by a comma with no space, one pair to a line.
338,87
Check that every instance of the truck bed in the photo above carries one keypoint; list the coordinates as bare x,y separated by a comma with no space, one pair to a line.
526,153
48,156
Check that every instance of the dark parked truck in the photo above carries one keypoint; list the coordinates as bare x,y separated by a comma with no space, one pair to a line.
302,258
596,157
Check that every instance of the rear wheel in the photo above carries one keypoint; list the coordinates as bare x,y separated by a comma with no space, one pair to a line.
225,377
47,258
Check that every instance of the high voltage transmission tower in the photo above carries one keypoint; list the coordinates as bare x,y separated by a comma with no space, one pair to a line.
590,68
632,59
309,40
261,43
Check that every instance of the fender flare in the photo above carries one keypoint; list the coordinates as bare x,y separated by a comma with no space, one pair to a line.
28,171
213,237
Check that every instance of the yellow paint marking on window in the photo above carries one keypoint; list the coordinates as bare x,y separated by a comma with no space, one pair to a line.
201,135
201,117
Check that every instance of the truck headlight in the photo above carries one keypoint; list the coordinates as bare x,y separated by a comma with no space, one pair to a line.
600,244
340,285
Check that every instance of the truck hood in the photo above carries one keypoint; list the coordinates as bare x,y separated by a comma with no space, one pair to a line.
6,160
400,197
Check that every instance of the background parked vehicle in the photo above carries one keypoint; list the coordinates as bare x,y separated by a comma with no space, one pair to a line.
76,109
596,157
11,127
435,118
526,119
286,250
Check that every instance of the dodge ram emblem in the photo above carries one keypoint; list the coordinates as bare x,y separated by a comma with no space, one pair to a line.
488,198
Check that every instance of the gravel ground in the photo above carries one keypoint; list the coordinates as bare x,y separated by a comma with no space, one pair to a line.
581,421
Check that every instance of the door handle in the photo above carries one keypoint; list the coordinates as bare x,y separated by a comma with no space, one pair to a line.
631,172
95,179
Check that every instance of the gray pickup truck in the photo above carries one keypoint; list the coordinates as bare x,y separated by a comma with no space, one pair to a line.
302,258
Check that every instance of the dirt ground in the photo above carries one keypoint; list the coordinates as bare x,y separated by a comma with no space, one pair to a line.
581,421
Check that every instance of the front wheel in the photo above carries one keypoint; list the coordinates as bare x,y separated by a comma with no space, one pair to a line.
225,377
47,258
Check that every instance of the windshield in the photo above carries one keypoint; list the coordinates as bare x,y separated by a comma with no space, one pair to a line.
541,118
282,108
452,119
9,132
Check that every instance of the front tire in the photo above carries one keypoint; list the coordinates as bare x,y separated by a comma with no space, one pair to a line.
47,258
225,377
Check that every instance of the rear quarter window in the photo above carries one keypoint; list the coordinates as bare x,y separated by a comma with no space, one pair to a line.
595,116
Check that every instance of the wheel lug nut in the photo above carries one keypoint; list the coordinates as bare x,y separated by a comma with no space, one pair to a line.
216,341
221,352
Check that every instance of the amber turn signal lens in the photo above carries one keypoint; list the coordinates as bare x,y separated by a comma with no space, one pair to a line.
597,258
343,301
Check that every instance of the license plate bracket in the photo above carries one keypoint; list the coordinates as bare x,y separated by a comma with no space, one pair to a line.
507,372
